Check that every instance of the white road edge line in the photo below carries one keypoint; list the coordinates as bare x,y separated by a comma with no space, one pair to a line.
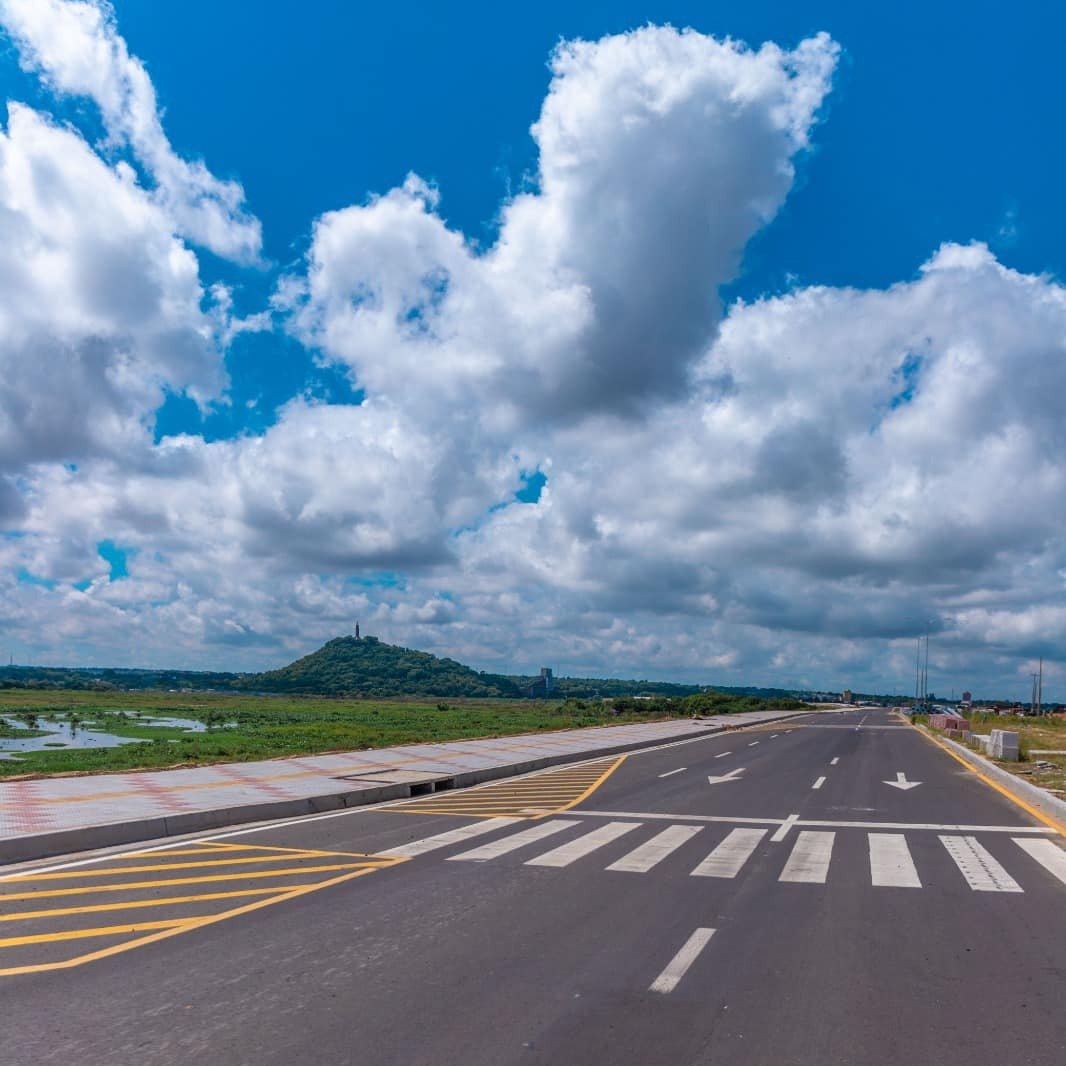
670,773
818,783
678,966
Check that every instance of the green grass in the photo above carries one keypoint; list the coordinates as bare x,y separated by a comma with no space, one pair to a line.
257,727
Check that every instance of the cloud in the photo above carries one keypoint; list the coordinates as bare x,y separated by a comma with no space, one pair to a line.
660,153
100,306
75,47
784,491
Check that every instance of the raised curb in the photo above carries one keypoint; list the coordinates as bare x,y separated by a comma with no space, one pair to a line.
85,838
1048,805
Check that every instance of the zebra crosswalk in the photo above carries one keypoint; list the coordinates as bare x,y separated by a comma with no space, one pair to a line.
807,858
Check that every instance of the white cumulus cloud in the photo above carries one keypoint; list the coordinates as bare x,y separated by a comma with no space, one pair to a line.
76,48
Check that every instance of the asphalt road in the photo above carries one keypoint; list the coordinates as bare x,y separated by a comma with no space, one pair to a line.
801,912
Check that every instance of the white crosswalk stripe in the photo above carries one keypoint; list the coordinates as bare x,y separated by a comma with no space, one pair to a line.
891,865
727,859
809,861
641,860
495,848
1048,854
573,850
975,863
453,836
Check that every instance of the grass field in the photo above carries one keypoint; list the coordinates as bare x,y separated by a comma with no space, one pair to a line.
262,727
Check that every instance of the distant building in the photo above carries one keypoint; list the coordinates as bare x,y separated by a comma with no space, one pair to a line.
845,696
967,699
542,687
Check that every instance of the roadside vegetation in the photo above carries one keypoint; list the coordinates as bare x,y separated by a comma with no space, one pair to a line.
240,728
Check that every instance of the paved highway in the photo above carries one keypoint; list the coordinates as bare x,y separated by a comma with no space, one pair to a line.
832,889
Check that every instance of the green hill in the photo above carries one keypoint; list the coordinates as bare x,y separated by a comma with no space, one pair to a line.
351,666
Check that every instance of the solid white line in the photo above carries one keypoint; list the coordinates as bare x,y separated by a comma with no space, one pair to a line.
783,829
641,860
573,850
727,859
833,762
513,842
982,872
1048,854
809,862
723,754
794,819
453,836
818,783
670,773
678,966
891,865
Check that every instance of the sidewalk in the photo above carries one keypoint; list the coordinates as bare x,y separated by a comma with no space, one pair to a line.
55,816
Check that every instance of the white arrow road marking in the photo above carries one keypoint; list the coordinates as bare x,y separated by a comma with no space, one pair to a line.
731,776
667,981
902,782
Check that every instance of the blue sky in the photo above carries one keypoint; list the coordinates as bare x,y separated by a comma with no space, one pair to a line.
247,452
938,128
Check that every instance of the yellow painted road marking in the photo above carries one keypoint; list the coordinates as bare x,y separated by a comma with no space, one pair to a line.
130,885
115,870
84,934
167,901
312,852
537,796
194,923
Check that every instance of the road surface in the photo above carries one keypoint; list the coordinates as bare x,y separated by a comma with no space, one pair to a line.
830,890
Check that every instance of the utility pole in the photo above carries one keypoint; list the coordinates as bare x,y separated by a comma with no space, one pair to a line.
1036,705
925,672
918,672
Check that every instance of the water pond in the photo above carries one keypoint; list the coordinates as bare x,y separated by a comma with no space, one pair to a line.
61,734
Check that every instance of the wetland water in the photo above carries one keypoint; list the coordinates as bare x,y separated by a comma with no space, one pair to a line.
62,734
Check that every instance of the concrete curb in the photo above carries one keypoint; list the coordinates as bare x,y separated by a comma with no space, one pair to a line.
1050,806
86,838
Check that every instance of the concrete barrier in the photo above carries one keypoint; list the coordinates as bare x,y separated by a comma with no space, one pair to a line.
1003,744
